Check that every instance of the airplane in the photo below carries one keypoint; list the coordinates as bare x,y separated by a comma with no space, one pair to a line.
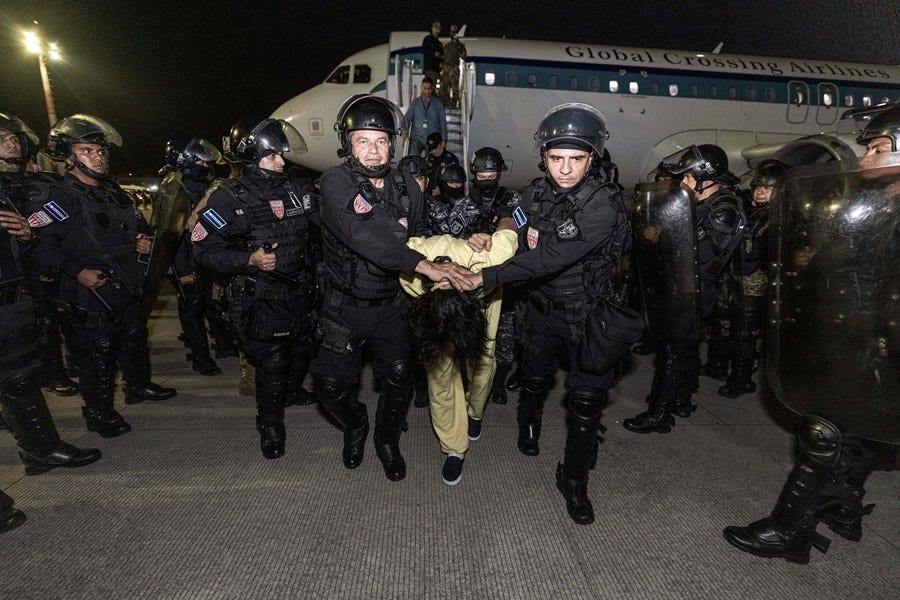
656,102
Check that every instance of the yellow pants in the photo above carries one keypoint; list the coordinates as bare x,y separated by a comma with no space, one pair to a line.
450,405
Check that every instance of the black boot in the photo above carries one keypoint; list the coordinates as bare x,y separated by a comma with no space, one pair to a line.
667,381
740,380
54,373
28,417
98,374
514,382
497,394
271,435
420,387
582,419
529,413
717,359
149,391
10,517
272,373
339,399
790,531
843,508
135,360
391,417
297,395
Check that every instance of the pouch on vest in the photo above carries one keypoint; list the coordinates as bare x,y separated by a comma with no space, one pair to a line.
610,329
268,321
334,334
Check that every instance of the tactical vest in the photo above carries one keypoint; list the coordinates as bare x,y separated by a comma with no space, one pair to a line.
754,243
350,273
720,225
588,278
280,219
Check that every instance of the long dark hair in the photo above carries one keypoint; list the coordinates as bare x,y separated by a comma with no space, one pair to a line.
446,323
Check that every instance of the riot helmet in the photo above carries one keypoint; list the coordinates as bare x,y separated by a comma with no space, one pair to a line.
452,174
768,172
604,170
415,165
183,154
572,125
487,160
12,125
887,125
269,136
80,129
239,131
367,111
706,162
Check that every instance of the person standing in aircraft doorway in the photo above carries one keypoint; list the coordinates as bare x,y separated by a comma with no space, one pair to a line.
425,116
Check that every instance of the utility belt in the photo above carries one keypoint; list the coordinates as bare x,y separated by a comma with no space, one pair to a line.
279,287
10,294
544,305
335,298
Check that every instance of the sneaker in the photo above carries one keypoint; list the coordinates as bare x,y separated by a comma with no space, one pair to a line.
451,474
474,429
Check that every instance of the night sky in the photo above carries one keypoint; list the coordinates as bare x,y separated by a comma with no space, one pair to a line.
158,69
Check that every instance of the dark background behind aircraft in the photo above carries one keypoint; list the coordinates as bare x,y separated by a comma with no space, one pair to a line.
158,69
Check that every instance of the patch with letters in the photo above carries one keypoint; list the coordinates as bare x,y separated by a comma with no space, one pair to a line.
403,221
361,205
198,233
519,217
567,230
215,218
533,235
56,211
39,219
277,207
297,205
239,211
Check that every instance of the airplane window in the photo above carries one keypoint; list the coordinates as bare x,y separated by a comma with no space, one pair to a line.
751,93
489,78
867,100
673,89
613,86
770,95
552,81
654,87
573,82
594,84
732,92
532,80
633,87
362,74
713,91
826,99
693,89
798,97
511,78
848,99
340,75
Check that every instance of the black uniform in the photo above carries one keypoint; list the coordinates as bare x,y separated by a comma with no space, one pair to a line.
95,227
253,211
364,233
435,165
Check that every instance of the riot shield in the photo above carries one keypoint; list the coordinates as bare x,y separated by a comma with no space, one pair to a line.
170,213
665,249
833,347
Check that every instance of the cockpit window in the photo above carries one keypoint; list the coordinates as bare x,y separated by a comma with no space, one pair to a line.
362,74
340,75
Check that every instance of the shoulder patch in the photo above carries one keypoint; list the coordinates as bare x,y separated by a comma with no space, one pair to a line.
56,211
361,205
199,232
277,207
215,218
39,219
533,237
404,221
519,217
567,230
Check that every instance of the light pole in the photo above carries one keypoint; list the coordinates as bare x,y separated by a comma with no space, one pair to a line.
33,44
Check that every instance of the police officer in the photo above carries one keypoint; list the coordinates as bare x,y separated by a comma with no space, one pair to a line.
826,364
437,158
493,202
369,210
416,166
92,234
748,275
719,222
255,226
188,166
23,407
572,230
451,183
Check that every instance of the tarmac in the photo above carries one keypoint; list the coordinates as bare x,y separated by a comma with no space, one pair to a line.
186,507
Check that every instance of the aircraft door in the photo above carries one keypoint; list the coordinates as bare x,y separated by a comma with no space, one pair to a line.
798,102
826,111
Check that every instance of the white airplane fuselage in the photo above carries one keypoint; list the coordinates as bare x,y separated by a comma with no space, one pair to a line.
656,102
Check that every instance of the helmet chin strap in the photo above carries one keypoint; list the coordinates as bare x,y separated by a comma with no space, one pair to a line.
267,174
72,163
376,172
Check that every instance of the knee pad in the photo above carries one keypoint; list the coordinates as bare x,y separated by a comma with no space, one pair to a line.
819,437
536,385
330,391
276,361
104,349
137,334
586,403
399,374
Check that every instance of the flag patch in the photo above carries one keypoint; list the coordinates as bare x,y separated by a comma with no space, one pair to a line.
360,205
199,232
277,207
215,218
56,211
519,217
39,219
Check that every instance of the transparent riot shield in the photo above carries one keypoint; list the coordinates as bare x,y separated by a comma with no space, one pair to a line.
665,249
170,213
833,345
